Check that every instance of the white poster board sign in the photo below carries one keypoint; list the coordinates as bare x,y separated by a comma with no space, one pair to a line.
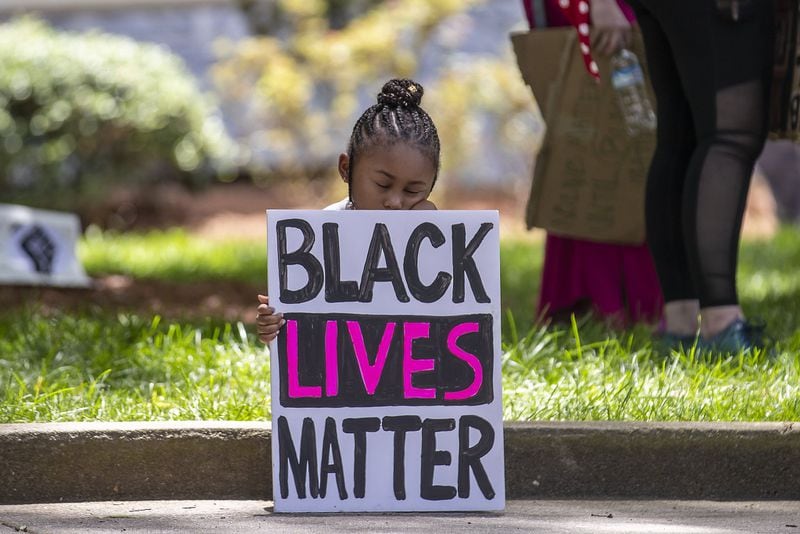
37,247
386,384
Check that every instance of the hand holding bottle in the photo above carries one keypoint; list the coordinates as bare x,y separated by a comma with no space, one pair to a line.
612,31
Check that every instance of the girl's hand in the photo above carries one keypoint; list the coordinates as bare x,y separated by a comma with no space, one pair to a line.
424,205
268,323
612,31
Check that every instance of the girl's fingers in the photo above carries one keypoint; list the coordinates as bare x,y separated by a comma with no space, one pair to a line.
271,326
276,324
265,338
268,318
424,205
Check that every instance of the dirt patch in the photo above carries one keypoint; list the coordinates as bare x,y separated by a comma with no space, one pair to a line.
226,300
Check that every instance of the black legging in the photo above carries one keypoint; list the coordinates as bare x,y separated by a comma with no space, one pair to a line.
711,78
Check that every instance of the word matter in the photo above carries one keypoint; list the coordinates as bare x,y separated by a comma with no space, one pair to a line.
306,465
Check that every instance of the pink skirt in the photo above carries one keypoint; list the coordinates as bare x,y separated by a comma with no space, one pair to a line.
616,282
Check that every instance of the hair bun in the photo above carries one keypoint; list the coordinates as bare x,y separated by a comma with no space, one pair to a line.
405,93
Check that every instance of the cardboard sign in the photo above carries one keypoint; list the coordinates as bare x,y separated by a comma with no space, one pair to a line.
386,376
37,247
590,174
785,95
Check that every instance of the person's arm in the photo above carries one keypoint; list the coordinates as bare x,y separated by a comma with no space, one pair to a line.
268,323
612,29
527,6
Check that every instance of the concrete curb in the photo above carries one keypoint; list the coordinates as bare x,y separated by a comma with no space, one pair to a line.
74,462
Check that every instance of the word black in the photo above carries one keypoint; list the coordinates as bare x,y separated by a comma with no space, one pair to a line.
328,272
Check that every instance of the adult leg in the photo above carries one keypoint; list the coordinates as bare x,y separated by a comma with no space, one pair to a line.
724,67
666,178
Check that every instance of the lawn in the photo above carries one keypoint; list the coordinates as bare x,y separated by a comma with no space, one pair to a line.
101,365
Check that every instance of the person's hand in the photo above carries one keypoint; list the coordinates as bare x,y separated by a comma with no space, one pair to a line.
268,323
612,31
424,205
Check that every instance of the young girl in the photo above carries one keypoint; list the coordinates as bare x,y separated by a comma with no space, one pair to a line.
391,163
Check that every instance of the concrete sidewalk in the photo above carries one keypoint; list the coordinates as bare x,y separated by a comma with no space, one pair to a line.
73,462
539,516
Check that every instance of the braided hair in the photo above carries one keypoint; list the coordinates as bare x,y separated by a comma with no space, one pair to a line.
397,117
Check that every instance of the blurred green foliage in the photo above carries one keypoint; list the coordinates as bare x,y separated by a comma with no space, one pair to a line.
267,17
81,111
309,82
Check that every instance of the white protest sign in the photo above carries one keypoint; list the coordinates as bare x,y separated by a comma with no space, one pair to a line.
37,247
386,383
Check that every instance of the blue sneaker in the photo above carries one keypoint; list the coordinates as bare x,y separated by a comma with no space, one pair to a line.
739,336
668,342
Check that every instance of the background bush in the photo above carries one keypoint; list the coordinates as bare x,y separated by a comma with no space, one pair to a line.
81,111
304,84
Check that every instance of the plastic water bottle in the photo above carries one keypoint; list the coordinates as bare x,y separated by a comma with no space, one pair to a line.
628,82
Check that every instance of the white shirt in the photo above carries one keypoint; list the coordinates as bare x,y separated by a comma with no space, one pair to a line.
343,204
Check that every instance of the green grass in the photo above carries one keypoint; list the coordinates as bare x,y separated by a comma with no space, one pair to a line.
123,368
520,276
96,365
172,255
588,373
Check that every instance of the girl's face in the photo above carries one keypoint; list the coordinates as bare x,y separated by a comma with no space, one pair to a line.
394,177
